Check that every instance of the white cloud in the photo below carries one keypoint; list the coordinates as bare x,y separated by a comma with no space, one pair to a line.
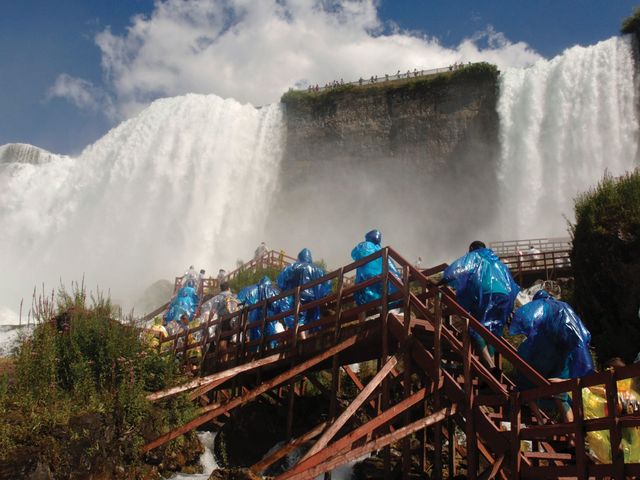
254,51
81,93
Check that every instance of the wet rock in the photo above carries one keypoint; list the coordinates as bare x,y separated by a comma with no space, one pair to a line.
41,472
233,474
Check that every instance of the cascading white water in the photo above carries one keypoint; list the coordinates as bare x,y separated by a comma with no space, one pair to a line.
187,181
563,123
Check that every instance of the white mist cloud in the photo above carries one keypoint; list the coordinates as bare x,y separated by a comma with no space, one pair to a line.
254,51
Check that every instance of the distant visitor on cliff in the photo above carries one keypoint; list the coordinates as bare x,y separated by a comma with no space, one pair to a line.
222,276
557,343
485,288
301,273
371,245
535,256
190,277
260,251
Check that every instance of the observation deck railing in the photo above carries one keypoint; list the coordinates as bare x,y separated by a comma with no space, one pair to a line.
385,78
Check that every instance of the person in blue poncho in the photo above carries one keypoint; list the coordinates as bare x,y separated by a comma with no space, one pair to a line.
369,270
485,288
254,294
557,343
300,273
185,302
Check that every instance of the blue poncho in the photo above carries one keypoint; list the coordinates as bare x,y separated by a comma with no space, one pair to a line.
482,282
370,270
254,294
300,273
557,343
186,301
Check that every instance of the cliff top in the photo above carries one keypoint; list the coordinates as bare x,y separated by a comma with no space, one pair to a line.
472,72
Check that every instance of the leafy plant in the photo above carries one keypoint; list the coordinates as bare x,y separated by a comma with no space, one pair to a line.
80,384
631,24
606,264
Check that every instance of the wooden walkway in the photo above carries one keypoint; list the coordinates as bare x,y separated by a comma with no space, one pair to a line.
424,355
552,261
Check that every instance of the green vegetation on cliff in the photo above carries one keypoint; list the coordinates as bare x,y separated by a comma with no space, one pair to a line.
631,24
76,400
475,72
606,263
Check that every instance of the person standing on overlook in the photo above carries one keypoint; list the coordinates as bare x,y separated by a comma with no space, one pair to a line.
485,288
222,276
260,251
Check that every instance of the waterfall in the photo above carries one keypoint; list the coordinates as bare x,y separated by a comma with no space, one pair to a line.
187,181
563,123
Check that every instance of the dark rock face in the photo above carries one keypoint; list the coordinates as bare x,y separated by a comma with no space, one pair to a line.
429,123
425,147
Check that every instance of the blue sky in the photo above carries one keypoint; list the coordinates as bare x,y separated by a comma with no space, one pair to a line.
70,70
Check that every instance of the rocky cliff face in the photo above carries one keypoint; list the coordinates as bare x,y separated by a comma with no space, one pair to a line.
428,121
425,147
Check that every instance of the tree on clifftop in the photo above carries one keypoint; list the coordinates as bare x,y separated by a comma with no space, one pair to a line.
606,264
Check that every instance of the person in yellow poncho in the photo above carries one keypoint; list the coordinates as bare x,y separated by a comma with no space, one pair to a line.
594,401
194,354
154,335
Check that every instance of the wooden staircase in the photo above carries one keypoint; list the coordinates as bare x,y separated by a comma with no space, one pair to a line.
429,386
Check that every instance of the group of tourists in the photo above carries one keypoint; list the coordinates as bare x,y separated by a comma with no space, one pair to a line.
556,345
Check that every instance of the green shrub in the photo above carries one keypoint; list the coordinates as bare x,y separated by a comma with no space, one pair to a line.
631,24
251,277
84,367
606,263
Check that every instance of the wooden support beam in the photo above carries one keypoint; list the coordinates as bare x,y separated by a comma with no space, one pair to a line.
384,398
348,440
491,472
250,395
437,398
453,446
406,442
376,444
578,418
470,417
198,392
290,404
615,432
351,409
282,452
356,381
224,375
515,418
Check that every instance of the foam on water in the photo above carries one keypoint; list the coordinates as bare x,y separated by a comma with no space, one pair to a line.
187,181
207,460
563,123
